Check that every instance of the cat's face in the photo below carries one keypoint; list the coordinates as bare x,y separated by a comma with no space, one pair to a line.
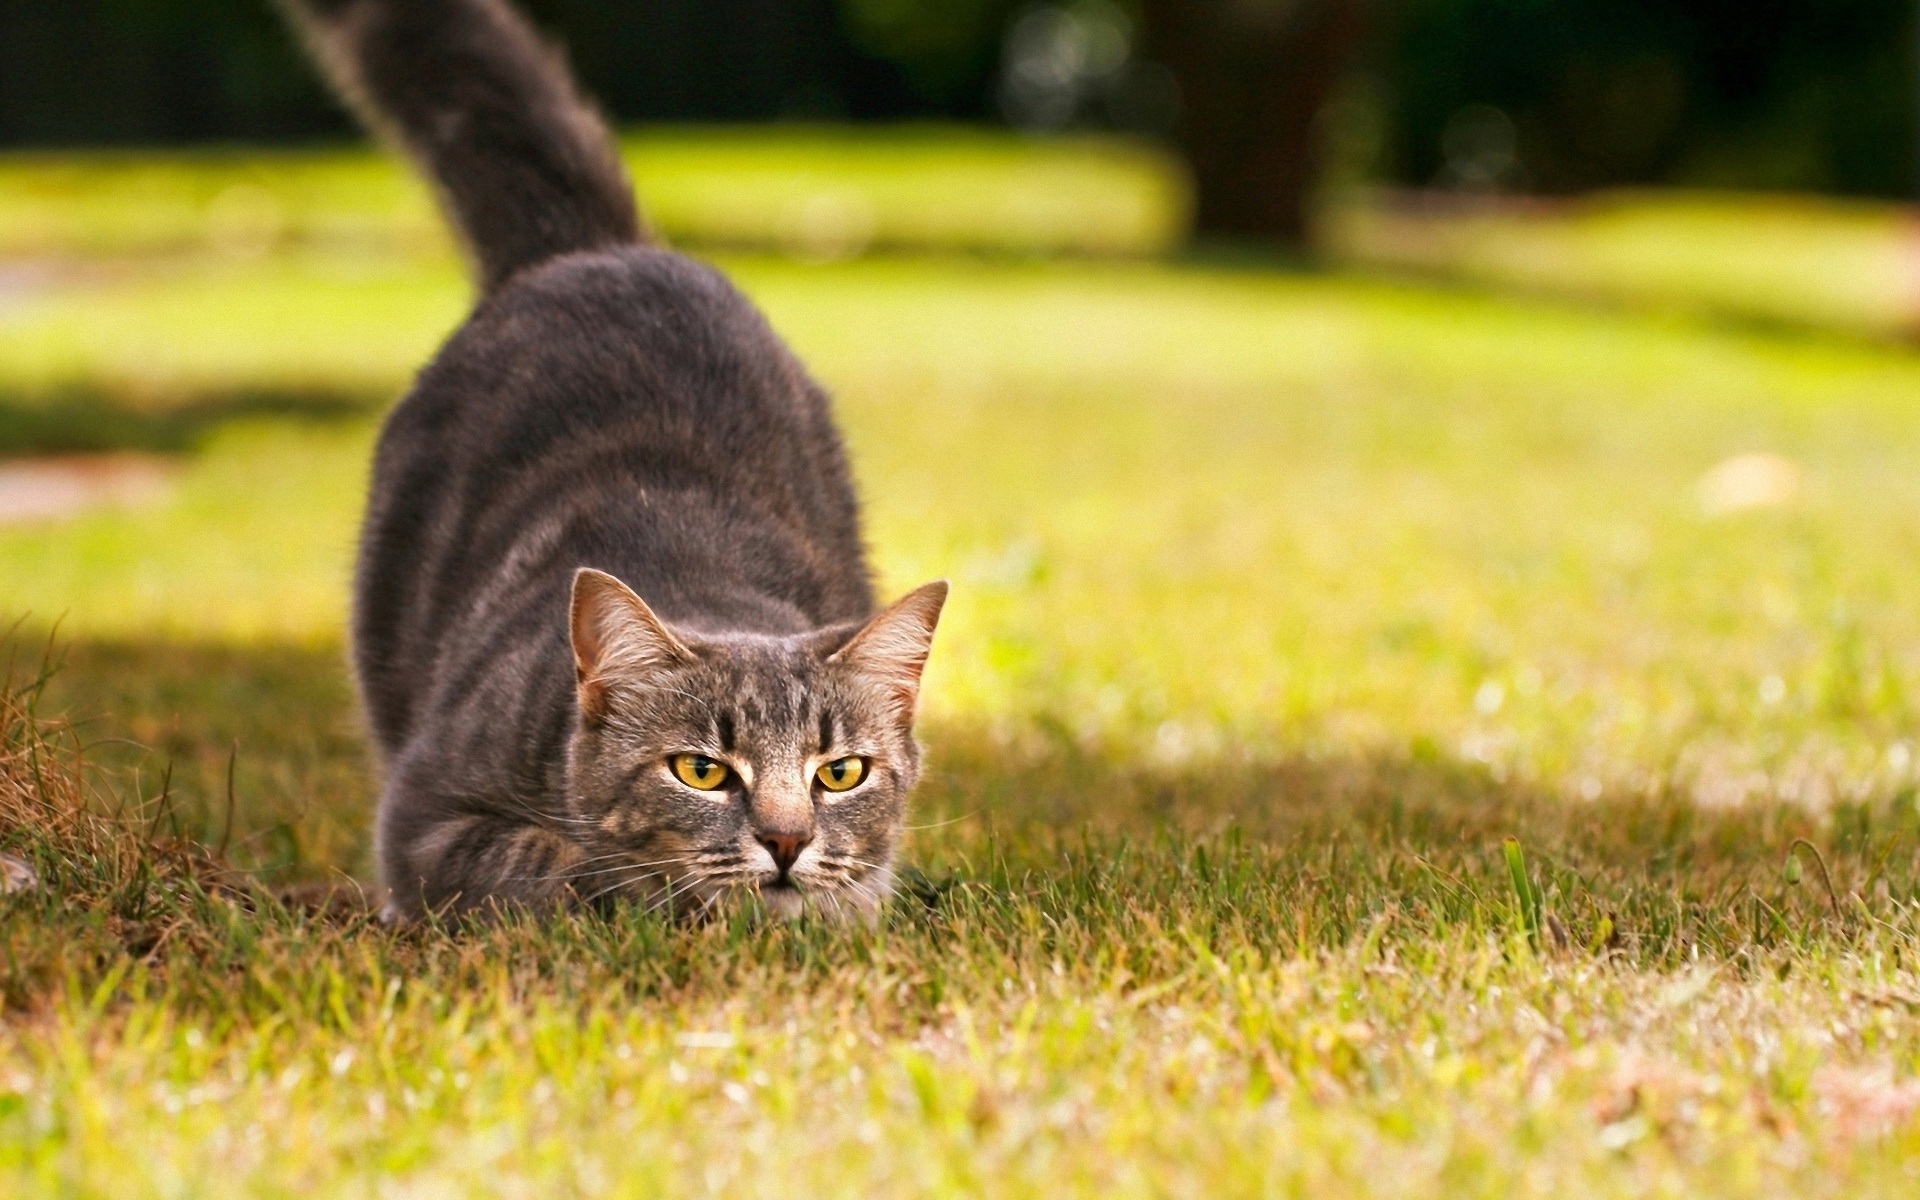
706,767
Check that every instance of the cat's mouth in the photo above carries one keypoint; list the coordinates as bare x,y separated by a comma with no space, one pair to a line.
786,897
787,894
783,897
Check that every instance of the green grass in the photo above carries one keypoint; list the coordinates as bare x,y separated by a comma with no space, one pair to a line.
1842,265
1280,603
819,192
824,193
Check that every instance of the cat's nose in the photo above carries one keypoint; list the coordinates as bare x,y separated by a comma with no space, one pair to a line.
785,847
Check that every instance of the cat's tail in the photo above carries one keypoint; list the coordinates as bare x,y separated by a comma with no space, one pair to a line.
524,167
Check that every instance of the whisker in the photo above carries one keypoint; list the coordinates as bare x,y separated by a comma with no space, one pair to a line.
940,824
572,873
629,880
848,860
666,897
729,878
708,905
598,858
626,866
870,892
617,884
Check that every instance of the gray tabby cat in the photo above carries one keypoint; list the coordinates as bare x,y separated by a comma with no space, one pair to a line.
612,421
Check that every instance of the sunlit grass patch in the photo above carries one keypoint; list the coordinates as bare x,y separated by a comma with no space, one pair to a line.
819,192
252,539
311,324
1845,265
826,193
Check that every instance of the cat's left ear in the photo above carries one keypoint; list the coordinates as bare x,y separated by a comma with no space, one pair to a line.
891,649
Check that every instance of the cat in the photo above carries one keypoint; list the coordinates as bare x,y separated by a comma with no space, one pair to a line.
612,421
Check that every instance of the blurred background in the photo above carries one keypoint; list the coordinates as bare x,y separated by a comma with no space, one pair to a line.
1519,386
1466,137
1549,97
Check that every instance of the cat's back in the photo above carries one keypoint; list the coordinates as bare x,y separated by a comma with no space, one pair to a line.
609,340
616,405
636,362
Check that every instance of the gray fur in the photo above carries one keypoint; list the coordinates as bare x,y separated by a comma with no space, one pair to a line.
620,408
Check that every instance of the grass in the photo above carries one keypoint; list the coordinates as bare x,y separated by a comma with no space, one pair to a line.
1281,604
826,193
820,192
1348,1004
1847,266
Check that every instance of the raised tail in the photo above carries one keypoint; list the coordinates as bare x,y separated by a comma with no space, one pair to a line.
524,167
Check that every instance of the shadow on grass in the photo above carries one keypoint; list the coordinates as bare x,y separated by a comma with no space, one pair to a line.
1422,837
1348,837
278,721
80,420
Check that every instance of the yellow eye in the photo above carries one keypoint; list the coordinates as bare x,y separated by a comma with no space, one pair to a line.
698,771
841,773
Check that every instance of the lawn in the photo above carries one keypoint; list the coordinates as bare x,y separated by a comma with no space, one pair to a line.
1849,266
1281,602
819,192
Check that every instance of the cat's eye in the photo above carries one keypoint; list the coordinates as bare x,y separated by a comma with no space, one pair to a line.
841,773
698,771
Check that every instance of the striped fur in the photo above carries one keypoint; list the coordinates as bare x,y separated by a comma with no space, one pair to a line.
606,405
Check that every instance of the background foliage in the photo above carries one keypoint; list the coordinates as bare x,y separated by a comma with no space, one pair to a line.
1774,93
1550,95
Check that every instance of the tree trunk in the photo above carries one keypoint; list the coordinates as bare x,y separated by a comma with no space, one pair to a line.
1254,76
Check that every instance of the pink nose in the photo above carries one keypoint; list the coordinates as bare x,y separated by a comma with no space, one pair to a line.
785,847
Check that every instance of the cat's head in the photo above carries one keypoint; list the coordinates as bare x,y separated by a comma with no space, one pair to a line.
704,766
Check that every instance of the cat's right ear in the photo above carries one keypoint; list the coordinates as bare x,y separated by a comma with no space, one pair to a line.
615,636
